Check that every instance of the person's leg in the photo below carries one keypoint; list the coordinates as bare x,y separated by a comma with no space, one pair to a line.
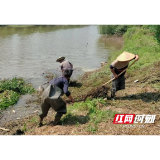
57,118
70,74
44,111
60,107
122,83
114,87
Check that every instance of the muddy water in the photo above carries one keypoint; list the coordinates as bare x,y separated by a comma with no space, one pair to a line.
31,52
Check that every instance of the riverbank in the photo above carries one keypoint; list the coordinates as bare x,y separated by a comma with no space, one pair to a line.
138,98
95,116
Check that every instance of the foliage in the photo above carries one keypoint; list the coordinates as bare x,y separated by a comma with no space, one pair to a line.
156,30
17,85
8,98
24,129
139,40
95,114
121,29
10,90
115,29
107,29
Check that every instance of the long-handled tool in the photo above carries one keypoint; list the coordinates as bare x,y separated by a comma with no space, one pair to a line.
4,129
119,74
104,84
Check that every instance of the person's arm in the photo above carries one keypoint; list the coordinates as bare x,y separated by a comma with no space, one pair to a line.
61,66
137,57
112,70
71,98
71,64
67,92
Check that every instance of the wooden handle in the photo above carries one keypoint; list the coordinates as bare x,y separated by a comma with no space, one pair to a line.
4,129
119,74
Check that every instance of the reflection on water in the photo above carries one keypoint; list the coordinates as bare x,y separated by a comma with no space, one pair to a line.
30,51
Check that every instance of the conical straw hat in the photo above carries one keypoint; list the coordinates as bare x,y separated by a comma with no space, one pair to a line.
125,56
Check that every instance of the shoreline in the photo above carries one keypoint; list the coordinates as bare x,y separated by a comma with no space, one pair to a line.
33,103
123,104
113,37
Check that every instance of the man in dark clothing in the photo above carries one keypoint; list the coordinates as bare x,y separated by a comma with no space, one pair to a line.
51,97
117,66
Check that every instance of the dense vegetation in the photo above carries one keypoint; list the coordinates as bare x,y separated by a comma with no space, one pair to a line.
142,40
10,91
122,29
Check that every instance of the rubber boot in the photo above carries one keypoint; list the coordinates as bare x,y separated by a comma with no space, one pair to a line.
57,119
40,122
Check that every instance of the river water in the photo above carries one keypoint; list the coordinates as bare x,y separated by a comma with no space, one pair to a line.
31,51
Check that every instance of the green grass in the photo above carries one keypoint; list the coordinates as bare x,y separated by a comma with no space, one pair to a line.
139,40
8,98
17,85
93,114
34,120
10,91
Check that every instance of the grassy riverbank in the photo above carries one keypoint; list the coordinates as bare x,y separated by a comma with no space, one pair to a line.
95,115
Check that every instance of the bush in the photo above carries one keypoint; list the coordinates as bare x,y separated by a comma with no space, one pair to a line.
109,29
118,29
121,29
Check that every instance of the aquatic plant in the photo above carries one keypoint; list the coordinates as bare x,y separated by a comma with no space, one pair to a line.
10,90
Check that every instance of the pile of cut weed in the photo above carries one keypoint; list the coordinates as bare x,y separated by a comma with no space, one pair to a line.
10,91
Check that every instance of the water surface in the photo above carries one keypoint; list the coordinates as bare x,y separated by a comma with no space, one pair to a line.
29,52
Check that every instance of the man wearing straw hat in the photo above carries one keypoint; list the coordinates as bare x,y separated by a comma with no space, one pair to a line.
118,67
65,65
51,97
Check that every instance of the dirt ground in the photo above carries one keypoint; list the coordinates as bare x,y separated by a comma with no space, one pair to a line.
141,97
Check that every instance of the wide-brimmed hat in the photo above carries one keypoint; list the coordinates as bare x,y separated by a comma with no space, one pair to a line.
125,56
60,58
